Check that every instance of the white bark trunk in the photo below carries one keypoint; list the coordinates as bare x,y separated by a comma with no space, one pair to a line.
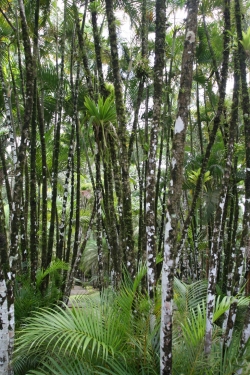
245,336
4,330
210,305
228,323
166,305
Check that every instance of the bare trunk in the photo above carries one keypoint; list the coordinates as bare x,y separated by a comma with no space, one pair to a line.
173,208
4,331
229,256
56,149
215,248
216,124
151,208
126,205
4,313
245,103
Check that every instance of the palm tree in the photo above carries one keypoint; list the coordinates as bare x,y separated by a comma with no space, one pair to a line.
103,118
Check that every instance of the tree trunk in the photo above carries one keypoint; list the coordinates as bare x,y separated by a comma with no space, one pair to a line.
151,208
98,51
126,207
216,124
82,48
245,104
43,241
216,249
33,248
175,189
5,356
16,216
74,267
56,149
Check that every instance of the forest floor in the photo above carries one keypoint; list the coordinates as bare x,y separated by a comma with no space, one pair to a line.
77,293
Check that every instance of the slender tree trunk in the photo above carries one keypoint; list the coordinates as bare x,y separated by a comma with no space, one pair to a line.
24,214
56,149
173,207
71,214
151,208
108,196
99,226
5,173
216,124
125,208
44,185
62,226
103,91
78,257
4,332
19,54
9,118
215,252
199,117
33,173
5,355
144,57
78,174
245,104
169,121
217,75
18,184
111,219
82,48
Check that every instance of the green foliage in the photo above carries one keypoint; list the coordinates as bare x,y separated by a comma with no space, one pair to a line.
246,41
103,117
142,68
193,177
118,333
89,261
111,334
203,52
29,297
96,6
52,270
3,131
5,35
102,113
190,325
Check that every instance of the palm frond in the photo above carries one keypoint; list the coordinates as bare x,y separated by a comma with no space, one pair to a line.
102,113
194,329
71,331
188,297
57,366
106,332
54,266
221,306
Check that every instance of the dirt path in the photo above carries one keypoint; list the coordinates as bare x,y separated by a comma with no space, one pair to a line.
79,291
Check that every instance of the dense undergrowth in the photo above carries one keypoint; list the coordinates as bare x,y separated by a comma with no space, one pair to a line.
118,333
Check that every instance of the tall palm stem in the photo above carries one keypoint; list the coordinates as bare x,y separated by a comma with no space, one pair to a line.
126,205
56,149
175,188
150,219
